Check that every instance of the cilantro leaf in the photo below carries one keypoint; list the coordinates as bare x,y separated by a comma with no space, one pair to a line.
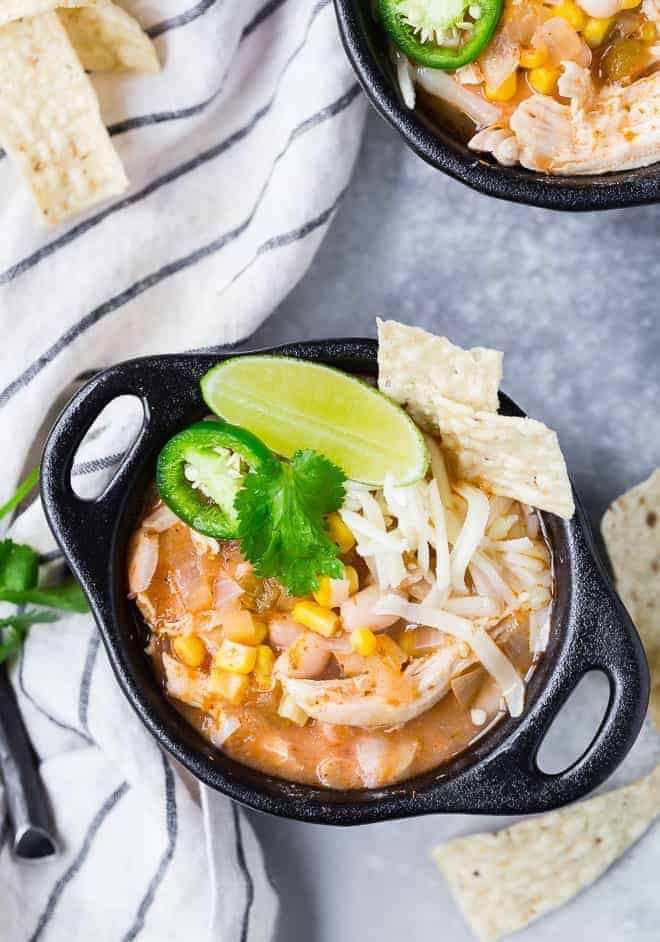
14,629
19,566
68,597
281,510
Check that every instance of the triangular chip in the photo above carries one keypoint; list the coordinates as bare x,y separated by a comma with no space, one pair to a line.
108,39
504,881
50,123
631,530
11,10
508,456
414,366
439,385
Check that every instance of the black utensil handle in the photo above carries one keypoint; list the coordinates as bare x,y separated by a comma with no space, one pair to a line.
77,522
27,804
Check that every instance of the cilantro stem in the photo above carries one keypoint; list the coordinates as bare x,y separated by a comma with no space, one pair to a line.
22,492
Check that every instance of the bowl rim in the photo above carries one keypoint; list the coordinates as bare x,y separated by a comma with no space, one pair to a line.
498,775
617,190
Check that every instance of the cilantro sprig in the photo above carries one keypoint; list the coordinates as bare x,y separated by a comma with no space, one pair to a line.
281,510
19,577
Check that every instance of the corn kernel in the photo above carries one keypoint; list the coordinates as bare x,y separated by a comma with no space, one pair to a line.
350,573
571,12
263,668
235,657
190,650
596,30
363,641
290,710
505,91
648,32
544,80
323,594
245,628
231,687
339,533
628,4
316,618
534,58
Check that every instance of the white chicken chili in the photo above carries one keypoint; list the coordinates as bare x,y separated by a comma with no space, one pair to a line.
383,674
342,630
561,86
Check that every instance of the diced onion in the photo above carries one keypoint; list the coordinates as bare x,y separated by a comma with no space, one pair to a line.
160,519
143,561
225,590
226,727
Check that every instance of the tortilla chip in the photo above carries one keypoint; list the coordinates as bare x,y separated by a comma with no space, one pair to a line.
631,530
50,123
439,383
414,366
508,456
19,9
108,39
504,881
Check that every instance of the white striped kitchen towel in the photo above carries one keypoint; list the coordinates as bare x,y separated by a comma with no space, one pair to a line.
238,154
146,853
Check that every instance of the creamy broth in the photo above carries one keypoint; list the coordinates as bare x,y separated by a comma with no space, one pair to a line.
186,597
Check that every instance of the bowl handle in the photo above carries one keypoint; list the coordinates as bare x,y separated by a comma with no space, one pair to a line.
509,781
84,528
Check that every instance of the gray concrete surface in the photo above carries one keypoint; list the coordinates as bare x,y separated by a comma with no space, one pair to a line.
573,302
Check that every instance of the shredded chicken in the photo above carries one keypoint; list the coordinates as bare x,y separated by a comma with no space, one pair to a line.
354,701
617,128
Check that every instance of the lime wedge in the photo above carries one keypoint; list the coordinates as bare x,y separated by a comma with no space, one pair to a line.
291,404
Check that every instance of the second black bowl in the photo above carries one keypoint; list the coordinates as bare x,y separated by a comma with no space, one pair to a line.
364,42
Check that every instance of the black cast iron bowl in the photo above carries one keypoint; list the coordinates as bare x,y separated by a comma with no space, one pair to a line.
364,42
498,775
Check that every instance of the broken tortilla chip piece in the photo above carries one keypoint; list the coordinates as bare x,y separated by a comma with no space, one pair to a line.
11,10
504,881
631,530
50,123
416,366
108,39
506,455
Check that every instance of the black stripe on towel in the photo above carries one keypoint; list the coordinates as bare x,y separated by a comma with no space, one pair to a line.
245,870
4,832
144,284
267,10
181,170
171,824
182,19
97,464
86,678
68,875
287,238
42,710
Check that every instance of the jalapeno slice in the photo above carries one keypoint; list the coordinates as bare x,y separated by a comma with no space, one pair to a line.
200,471
441,34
